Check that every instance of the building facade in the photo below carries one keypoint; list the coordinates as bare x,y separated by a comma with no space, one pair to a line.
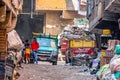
103,14
101,17
59,13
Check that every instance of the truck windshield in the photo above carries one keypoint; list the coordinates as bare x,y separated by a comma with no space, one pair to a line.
46,42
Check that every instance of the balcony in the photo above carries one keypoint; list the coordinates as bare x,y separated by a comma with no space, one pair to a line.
113,6
101,18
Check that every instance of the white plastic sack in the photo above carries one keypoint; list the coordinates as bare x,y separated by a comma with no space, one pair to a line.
102,70
14,41
108,75
19,56
115,65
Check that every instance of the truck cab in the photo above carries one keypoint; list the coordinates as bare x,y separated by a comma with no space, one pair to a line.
48,50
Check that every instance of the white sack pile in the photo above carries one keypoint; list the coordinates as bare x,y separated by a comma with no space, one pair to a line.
14,41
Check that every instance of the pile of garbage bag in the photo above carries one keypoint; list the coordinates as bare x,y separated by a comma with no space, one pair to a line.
111,71
115,62
75,32
14,41
105,73
81,59
102,70
15,46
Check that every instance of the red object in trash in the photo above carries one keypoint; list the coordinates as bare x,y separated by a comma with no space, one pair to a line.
64,45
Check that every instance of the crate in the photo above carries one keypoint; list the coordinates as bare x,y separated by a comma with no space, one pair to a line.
6,69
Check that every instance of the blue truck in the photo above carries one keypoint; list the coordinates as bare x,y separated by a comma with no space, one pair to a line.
48,50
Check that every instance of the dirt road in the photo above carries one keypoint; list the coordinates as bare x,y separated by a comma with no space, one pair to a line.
44,71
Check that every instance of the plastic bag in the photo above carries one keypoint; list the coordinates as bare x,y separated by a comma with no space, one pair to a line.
14,41
102,70
115,65
117,49
108,75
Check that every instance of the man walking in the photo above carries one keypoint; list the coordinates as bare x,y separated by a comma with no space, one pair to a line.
34,47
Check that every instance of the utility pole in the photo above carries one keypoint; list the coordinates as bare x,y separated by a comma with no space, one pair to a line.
31,9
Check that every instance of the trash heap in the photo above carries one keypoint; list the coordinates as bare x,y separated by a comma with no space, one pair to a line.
115,63
75,32
111,70
81,60
15,46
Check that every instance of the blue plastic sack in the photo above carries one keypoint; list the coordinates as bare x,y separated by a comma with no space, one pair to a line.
117,49
117,75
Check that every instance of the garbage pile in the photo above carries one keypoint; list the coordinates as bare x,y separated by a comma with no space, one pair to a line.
105,73
15,46
115,63
81,59
111,71
75,32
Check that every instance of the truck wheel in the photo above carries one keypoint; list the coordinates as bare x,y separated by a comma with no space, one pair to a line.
54,63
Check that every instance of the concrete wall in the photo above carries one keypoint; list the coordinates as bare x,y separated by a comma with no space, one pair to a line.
26,25
71,14
54,24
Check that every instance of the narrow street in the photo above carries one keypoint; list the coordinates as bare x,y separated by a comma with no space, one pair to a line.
81,39
45,71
